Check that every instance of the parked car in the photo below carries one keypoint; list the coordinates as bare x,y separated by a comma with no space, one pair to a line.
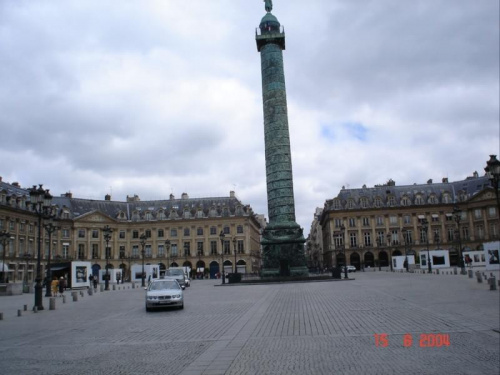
178,274
164,293
349,269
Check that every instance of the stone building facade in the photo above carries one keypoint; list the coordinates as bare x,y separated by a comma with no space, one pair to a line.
192,227
371,225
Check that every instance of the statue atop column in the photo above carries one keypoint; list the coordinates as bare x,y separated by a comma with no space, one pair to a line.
268,5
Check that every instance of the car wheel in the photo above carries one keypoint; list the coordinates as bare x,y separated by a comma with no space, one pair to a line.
148,309
181,306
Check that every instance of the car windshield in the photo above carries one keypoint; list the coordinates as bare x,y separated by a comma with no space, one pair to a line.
166,284
174,273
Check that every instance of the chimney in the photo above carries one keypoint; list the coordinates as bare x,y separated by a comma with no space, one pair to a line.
107,197
445,180
185,196
172,197
16,184
429,181
69,194
475,174
231,194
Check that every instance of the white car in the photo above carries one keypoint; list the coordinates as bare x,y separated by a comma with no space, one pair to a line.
162,293
349,269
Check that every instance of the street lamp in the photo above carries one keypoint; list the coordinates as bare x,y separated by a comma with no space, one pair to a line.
425,229
27,258
49,228
4,239
406,243
143,239
107,237
342,250
221,236
389,250
457,214
234,247
167,248
492,170
40,200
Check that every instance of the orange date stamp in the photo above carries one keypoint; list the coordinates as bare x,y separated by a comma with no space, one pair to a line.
424,340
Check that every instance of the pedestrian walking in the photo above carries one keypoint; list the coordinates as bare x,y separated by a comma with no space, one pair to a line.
62,285
95,283
54,285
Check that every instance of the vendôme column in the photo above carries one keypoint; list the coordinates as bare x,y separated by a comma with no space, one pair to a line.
282,240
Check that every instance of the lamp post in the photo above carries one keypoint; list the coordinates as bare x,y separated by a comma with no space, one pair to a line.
379,245
221,236
457,214
4,239
492,170
143,238
167,249
49,228
388,249
342,250
40,200
234,247
406,239
425,229
27,258
107,237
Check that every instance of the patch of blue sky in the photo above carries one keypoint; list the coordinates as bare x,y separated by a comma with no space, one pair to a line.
328,132
356,130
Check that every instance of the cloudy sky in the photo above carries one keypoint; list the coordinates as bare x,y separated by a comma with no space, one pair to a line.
152,97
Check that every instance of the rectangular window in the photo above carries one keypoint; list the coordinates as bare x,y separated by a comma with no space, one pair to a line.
174,250
135,234
352,222
380,220
451,234
122,252
12,225
227,247
423,236
478,213
395,237
161,251
492,211
354,239
338,223
226,230
407,219
366,221
108,253
95,251
465,233
81,251
135,251
161,233
368,239
199,246
186,232
173,232
493,230
122,234
147,251
148,233
81,233
239,229
408,237
480,232
380,238
338,241
393,220
65,233
213,230
213,247
241,249
199,231
65,251
95,233
187,249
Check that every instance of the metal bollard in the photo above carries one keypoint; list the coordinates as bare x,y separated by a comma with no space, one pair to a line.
437,272
493,284
25,307
455,271
35,309
52,303
64,299
102,288
470,274
133,285
75,296
114,287
479,277
19,313
1,316
90,291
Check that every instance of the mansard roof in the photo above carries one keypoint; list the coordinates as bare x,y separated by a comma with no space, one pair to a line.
456,191
76,207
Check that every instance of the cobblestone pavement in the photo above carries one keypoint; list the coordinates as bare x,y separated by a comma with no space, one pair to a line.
299,328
